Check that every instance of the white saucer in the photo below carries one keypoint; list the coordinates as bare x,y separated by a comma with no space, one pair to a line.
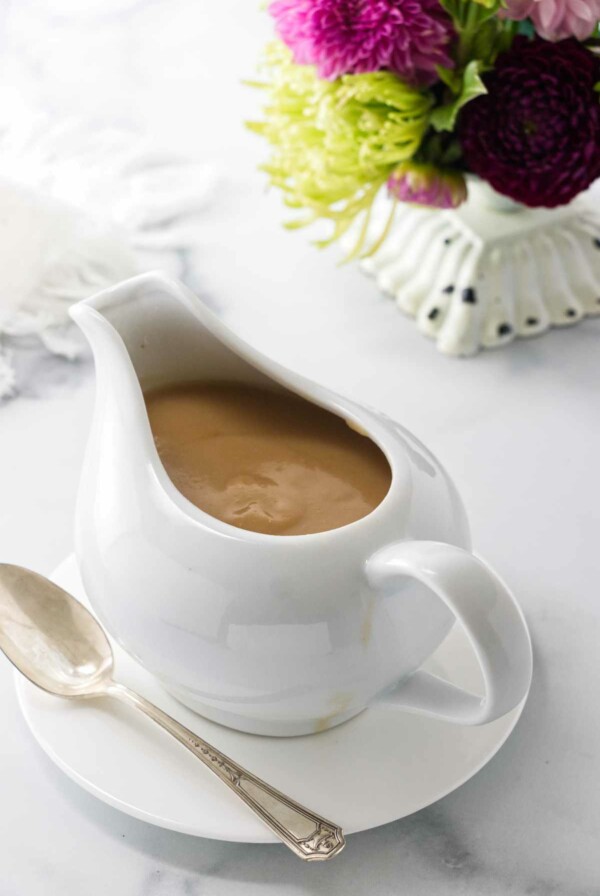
380,766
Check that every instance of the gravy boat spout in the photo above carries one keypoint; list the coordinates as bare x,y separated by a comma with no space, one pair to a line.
149,332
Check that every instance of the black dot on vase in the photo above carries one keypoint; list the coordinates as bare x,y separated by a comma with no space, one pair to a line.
532,321
433,313
448,290
570,312
469,296
447,241
597,242
504,329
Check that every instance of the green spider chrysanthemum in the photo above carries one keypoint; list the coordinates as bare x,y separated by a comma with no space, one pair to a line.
335,143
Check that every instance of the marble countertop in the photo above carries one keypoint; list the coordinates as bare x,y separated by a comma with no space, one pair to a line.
517,429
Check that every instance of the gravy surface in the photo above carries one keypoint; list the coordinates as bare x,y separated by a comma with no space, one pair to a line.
265,461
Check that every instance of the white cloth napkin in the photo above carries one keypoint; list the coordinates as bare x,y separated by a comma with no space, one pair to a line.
81,208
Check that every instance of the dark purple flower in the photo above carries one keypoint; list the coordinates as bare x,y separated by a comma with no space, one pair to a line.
408,37
535,136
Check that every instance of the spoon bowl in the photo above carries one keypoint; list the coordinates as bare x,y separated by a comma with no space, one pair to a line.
50,637
60,647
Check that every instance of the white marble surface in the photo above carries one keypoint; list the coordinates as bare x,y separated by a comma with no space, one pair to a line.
518,429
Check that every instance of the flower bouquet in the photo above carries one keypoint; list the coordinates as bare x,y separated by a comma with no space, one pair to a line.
381,113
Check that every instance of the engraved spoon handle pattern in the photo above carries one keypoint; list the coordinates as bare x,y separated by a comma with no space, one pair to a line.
307,834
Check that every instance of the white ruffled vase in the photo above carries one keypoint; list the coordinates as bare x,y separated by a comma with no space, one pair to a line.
492,270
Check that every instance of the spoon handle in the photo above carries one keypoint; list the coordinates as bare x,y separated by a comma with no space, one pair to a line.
307,834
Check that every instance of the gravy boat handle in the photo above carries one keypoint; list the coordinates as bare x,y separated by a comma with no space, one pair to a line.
490,616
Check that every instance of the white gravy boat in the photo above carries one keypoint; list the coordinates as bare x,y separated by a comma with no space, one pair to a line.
275,634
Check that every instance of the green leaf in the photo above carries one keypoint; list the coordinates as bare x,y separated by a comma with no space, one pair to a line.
450,77
484,41
491,8
526,27
444,117
450,6
451,154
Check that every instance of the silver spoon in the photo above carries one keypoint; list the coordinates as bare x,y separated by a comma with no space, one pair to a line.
59,646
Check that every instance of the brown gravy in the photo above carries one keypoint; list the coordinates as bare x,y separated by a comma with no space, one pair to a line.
265,461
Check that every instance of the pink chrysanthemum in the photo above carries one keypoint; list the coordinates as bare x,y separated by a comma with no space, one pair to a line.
557,19
424,184
408,37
